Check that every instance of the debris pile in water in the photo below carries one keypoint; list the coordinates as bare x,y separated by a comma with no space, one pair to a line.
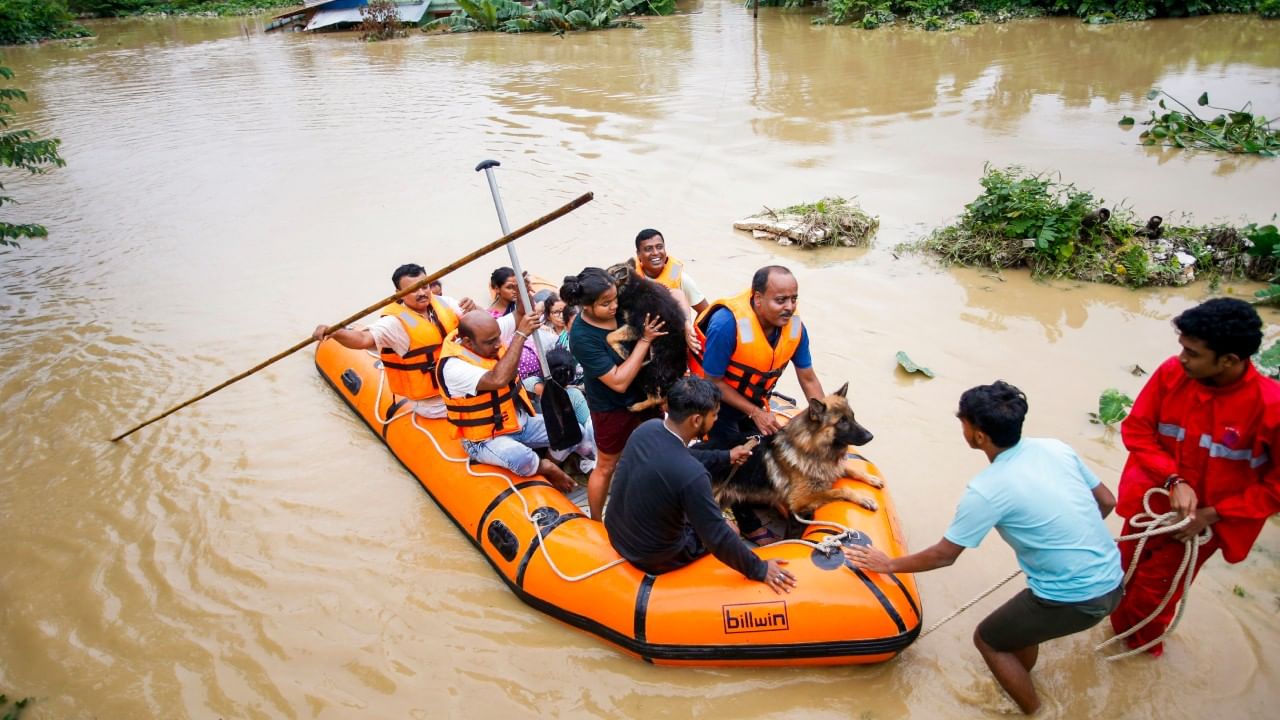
1058,230
832,221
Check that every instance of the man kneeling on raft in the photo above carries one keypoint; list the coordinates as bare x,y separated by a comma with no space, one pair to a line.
1043,501
486,403
661,515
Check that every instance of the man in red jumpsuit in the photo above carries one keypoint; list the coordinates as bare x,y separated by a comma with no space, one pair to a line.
1207,428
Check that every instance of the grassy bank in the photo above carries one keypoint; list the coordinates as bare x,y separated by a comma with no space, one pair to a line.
123,8
950,14
1058,230
28,21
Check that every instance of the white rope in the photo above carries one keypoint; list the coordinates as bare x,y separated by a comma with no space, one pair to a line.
1151,525
533,519
827,545
971,603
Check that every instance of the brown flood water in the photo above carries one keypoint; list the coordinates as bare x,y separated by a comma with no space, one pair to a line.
261,556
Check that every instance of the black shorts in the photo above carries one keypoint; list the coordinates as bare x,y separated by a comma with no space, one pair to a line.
1028,620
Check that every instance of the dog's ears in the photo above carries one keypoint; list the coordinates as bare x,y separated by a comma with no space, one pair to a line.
816,409
844,390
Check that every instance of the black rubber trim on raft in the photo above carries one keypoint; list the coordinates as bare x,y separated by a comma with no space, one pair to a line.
497,500
648,651
543,531
910,600
642,606
884,601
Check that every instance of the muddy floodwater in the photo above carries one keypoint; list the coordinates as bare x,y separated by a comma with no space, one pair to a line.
260,555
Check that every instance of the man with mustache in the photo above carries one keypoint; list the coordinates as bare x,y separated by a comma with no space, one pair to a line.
409,334
749,340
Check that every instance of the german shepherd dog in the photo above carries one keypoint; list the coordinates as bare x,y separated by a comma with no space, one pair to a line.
801,462
668,359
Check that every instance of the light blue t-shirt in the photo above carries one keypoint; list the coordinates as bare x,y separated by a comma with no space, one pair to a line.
1038,496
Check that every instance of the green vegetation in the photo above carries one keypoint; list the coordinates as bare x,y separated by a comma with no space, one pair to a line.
951,14
1058,230
1113,406
27,21
23,149
553,16
118,8
12,713
1235,131
906,363
832,221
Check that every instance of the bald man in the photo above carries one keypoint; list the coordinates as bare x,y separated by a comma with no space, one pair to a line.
487,404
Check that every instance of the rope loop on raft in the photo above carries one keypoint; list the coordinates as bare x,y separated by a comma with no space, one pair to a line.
534,517
1151,524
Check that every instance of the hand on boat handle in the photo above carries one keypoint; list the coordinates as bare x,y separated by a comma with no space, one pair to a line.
868,558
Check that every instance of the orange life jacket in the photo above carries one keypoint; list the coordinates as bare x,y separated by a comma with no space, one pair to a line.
412,375
671,275
755,366
487,414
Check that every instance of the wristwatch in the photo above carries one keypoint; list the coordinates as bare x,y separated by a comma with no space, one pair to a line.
1171,481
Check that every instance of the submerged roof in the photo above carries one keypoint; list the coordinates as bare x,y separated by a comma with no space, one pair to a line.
337,12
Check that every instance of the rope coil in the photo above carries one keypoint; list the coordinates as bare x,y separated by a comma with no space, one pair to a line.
1150,524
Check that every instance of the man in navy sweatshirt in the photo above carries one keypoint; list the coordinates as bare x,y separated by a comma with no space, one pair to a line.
661,513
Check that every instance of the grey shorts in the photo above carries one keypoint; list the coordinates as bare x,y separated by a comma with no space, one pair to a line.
1027,620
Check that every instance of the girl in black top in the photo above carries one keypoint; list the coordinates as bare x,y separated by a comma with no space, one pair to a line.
608,375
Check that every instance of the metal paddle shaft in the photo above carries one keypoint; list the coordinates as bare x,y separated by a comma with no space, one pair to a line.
557,408
505,239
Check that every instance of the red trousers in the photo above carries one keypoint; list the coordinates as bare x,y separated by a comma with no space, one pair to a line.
1160,560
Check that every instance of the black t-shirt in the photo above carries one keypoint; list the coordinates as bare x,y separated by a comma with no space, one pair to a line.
591,350
659,494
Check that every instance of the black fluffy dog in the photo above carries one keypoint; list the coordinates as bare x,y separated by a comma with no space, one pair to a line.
668,360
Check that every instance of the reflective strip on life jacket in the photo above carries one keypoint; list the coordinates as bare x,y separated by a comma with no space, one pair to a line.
755,366
487,414
1176,432
670,275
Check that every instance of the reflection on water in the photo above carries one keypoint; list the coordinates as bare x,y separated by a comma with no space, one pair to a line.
258,555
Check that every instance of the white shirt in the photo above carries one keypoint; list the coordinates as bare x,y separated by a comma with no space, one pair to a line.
461,378
690,288
388,332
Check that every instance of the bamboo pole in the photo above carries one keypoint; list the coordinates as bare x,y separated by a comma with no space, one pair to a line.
504,240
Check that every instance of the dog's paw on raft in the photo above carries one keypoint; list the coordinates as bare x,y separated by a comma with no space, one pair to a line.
867,502
857,473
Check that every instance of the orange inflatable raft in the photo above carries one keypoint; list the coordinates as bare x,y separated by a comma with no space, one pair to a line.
559,561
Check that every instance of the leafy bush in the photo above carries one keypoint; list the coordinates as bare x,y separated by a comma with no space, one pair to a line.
1058,230
949,14
25,21
22,149
1234,131
556,16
